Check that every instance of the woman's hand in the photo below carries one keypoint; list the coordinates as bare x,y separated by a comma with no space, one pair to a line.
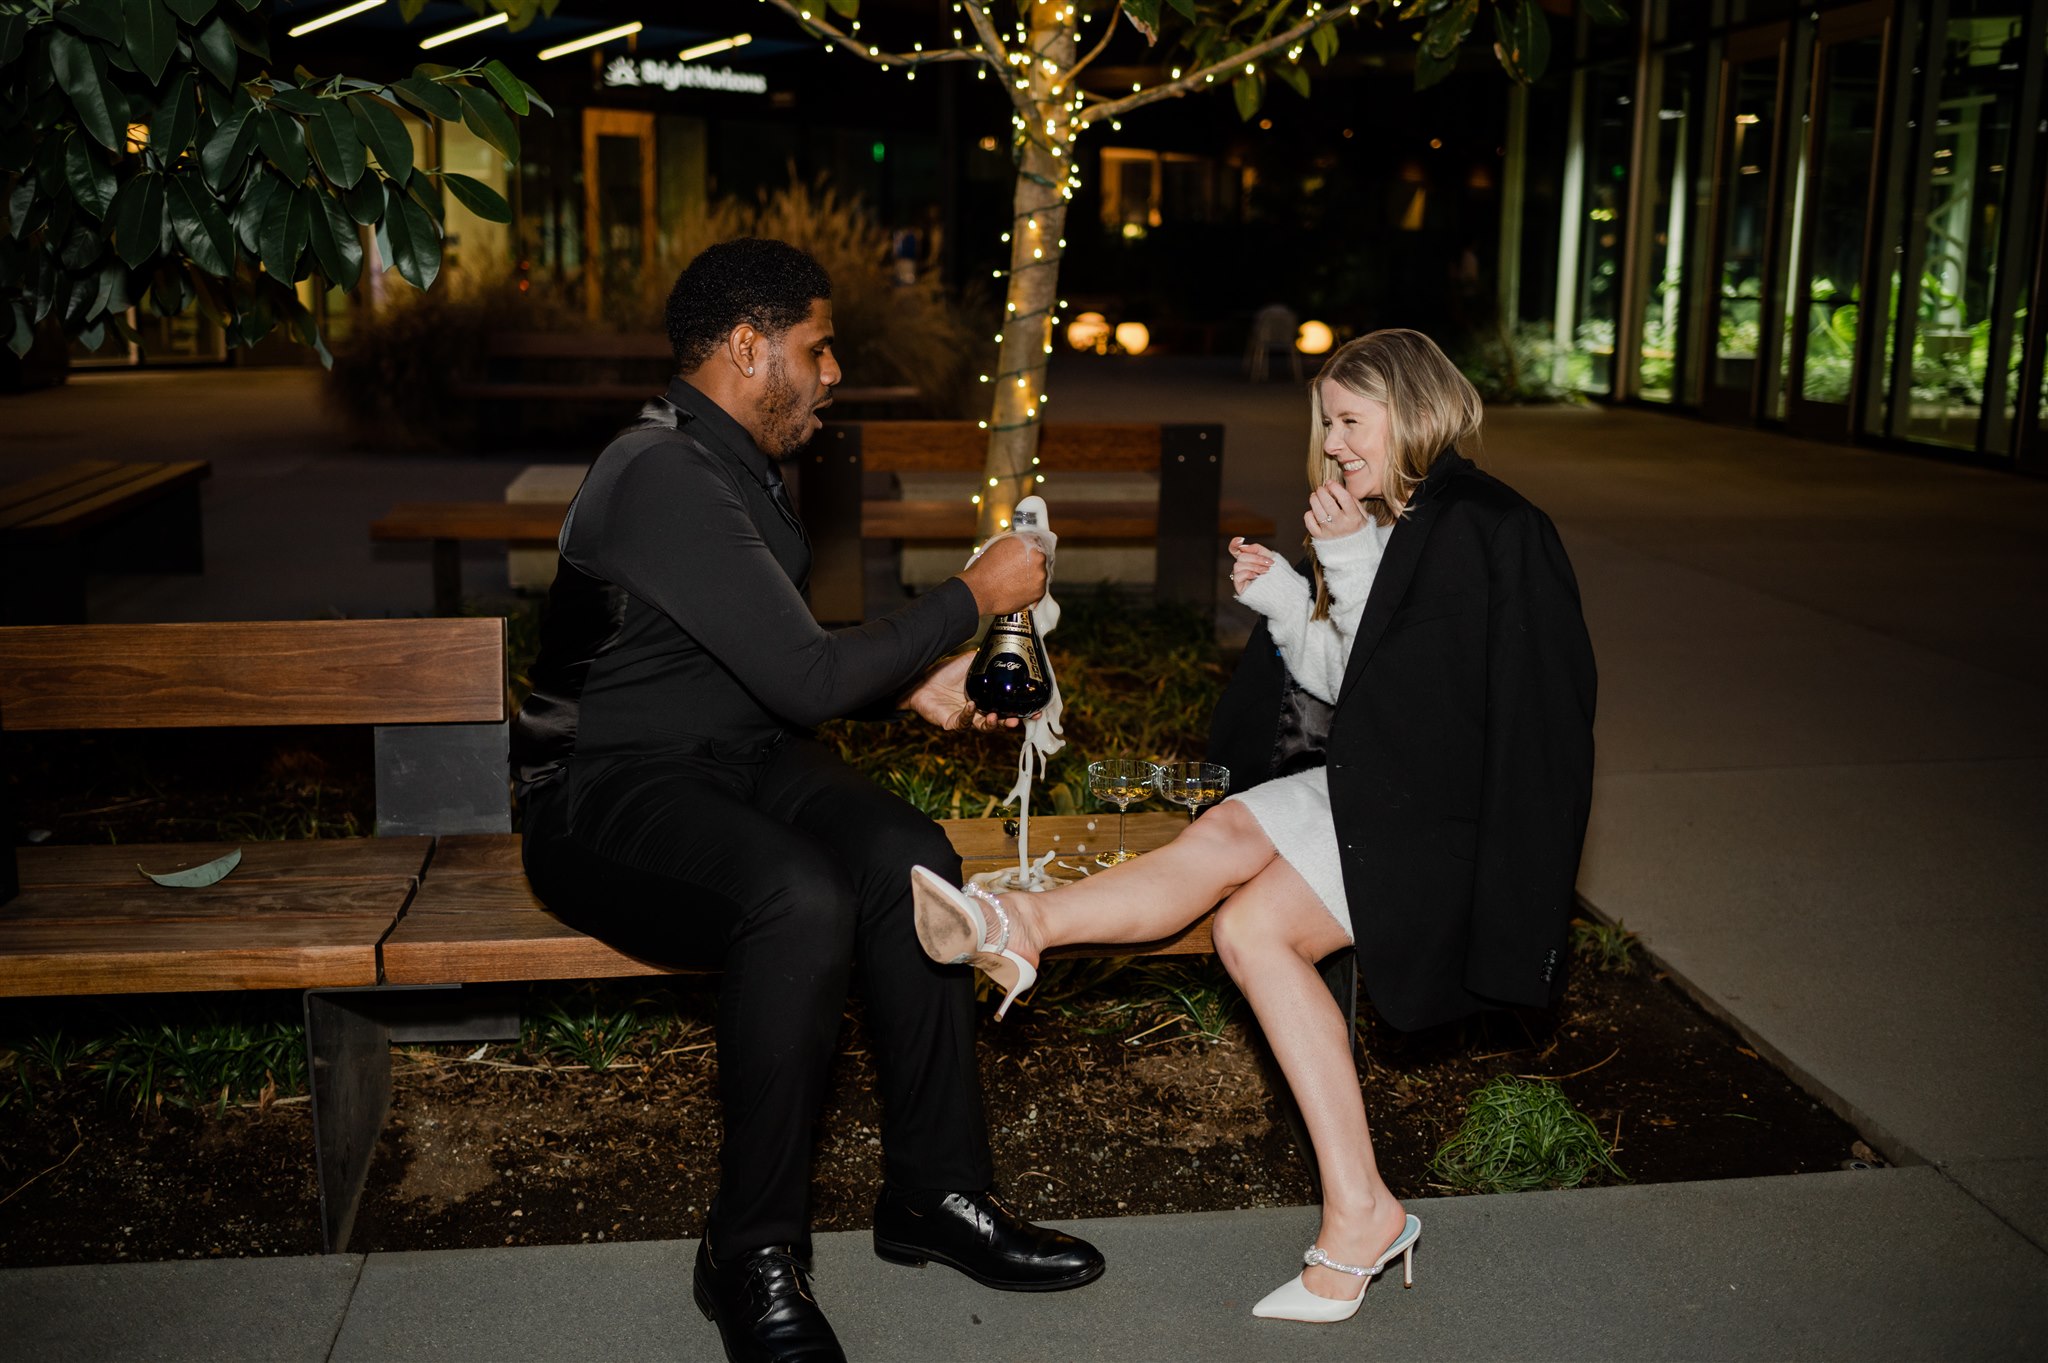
1333,512
1252,561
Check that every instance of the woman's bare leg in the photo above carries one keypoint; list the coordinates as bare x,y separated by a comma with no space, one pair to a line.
1269,935
1148,897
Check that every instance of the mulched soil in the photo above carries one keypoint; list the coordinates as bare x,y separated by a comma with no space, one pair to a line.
497,1148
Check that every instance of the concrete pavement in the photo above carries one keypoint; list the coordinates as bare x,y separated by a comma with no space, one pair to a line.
1823,775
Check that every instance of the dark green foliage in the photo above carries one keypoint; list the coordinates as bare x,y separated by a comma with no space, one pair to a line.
248,182
185,1053
1519,1135
1604,946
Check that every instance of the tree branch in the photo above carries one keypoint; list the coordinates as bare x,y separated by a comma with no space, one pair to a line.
1319,18
867,52
984,29
1116,12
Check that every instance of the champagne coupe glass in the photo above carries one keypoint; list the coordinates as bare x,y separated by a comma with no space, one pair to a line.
1194,784
1123,782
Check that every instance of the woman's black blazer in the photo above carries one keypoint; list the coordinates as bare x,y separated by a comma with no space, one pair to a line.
1460,752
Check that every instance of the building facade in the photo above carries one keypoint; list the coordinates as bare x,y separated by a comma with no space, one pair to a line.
1826,218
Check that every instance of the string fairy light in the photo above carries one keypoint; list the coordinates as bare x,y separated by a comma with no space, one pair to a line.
1058,103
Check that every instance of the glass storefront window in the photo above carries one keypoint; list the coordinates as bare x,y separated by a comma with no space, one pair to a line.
1838,202
1603,206
1744,197
1669,177
1961,190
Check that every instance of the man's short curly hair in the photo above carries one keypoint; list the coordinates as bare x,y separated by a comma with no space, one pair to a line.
769,285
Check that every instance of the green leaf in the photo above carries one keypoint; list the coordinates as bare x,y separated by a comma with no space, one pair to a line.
92,180
81,247
488,120
227,147
176,118
26,209
1324,41
191,11
286,221
1447,30
1429,69
1603,11
331,132
201,227
1524,46
81,72
415,247
151,35
478,197
137,217
533,98
250,208
845,9
196,877
1247,92
510,88
423,191
1292,74
336,244
214,45
296,100
13,34
365,201
1144,16
283,143
429,97
409,10
1186,8
95,19
383,132
23,334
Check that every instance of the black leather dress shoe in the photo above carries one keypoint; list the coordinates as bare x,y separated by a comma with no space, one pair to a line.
762,1304
978,1235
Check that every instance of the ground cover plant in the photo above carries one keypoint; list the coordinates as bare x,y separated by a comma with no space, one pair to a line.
160,1127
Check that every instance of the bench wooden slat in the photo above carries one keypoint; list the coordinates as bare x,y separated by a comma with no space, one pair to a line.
253,673
105,496
330,859
517,522
476,919
55,500
957,446
83,956
637,393
223,905
18,494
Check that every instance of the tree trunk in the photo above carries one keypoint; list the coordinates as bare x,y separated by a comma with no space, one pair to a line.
1037,231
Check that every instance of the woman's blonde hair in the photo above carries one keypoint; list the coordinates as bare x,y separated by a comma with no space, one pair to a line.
1431,407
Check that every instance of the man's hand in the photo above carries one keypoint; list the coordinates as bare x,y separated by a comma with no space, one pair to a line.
940,697
1008,577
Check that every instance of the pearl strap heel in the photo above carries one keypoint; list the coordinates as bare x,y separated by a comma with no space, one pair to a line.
1293,1301
953,930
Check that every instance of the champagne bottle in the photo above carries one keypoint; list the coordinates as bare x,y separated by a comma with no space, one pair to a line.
1009,675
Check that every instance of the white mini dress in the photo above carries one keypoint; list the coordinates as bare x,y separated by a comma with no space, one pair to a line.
1294,811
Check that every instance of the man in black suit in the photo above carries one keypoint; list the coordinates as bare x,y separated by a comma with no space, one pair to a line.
677,806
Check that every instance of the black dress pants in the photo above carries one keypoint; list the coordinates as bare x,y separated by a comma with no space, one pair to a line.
782,868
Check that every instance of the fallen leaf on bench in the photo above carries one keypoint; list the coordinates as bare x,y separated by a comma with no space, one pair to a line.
197,877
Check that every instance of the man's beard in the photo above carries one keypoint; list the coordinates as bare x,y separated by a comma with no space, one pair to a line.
785,418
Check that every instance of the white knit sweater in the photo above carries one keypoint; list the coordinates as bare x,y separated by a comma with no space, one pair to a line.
1316,650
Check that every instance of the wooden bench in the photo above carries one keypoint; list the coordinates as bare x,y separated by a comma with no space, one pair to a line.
95,516
615,369
389,937
1186,525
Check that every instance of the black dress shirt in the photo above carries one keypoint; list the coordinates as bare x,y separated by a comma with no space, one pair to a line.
677,622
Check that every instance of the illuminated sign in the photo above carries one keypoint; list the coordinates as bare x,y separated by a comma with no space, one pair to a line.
626,73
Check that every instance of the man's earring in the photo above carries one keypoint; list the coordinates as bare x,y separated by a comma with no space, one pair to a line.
750,371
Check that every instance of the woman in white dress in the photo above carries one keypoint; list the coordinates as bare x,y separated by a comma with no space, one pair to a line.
1474,610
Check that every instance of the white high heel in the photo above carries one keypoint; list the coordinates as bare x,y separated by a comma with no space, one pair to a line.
1293,1301
954,931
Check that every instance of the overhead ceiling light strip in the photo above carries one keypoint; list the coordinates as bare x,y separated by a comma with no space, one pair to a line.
690,54
477,26
592,40
345,12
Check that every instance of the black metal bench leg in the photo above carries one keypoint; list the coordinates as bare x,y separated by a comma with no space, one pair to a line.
447,577
348,1055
